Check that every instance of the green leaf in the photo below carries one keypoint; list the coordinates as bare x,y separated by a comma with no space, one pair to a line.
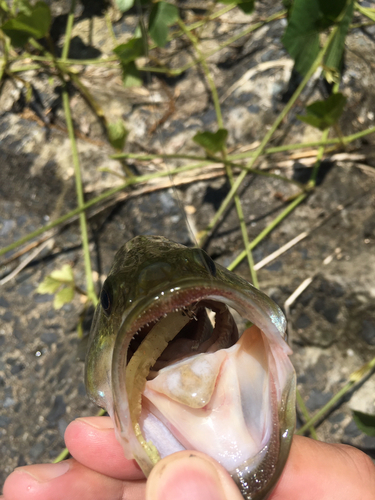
35,24
64,275
130,51
63,296
4,6
124,5
246,7
117,134
24,6
301,37
212,142
162,16
130,75
61,283
48,285
331,9
365,422
333,57
323,114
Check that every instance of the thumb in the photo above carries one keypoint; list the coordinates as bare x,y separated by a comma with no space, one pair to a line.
190,475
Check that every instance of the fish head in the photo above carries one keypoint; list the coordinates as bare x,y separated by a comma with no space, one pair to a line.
183,355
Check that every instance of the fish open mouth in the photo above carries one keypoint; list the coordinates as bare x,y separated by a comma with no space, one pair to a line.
186,375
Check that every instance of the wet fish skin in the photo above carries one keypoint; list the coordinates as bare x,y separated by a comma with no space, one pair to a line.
152,277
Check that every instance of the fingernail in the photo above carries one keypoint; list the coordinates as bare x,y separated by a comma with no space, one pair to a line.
97,422
190,477
46,472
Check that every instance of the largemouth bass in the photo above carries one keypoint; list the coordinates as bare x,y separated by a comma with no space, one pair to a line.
175,370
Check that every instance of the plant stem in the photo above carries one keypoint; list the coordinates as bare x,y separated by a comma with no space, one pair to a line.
267,137
305,413
319,156
354,378
241,156
205,162
303,145
197,24
207,72
79,189
129,182
68,31
77,169
62,456
228,166
186,168
110,27
268,229
187,29
365,11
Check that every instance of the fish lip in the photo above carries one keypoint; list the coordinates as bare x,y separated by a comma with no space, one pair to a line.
181,293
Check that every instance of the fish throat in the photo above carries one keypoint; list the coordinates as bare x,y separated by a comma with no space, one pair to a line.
176,337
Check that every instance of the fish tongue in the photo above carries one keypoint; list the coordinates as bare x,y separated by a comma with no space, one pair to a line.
228,415
190,382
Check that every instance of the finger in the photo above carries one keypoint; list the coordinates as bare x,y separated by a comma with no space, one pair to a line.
190,475
325,471
92,442
68,480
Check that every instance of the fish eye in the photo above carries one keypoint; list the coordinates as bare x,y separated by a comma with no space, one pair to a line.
106,300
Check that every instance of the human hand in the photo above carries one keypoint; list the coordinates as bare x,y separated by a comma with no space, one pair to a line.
99,471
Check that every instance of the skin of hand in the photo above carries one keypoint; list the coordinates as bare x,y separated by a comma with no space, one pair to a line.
99,471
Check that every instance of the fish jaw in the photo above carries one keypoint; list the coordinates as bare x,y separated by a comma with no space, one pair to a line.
240,425
260,421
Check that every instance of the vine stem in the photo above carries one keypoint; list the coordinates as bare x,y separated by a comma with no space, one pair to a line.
129,182
68,32
305,413
290,208
355,378
186,168
79,190
77,168
206,162
240,156
267,230
267,137
187,29
228,166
